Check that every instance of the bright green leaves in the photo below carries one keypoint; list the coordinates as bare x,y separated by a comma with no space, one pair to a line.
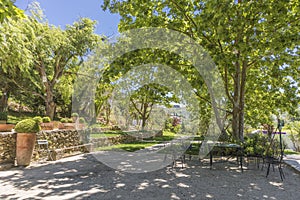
9,10
41,59
250,41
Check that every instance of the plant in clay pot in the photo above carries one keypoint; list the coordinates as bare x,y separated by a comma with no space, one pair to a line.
47,124
81,123
74,116
39,119
26,138
67,123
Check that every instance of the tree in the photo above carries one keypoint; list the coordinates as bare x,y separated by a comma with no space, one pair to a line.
9,10
145,98
54,53
14,55
254,44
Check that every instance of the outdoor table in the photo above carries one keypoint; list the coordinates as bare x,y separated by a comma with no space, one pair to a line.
238,151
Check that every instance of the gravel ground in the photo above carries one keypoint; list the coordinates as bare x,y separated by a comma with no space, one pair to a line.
83,177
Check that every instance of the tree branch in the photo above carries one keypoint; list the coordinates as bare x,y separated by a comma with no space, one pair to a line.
25,90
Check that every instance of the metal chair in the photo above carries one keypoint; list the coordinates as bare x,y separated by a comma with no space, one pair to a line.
274,157
43,147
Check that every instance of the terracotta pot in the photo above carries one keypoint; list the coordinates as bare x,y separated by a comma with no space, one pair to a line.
80,126
24,149
69,126
61,126
47,126
3,121
6,127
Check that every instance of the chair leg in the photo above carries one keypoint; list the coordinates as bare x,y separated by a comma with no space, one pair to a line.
263,164
281,172
268,170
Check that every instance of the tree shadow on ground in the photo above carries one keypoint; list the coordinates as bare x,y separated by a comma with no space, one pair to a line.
83,177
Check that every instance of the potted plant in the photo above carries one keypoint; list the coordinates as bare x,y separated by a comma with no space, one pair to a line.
57,125
3,117
67,123
38,119
81,123
74,116
26,138
47,124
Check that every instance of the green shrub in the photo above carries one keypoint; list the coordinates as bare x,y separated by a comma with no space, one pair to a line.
259,144
38,119
69,120
74,115
46,119
27,126
64,120
81,120
173,125
3,116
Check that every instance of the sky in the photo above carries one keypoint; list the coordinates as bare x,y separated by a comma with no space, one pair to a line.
62,12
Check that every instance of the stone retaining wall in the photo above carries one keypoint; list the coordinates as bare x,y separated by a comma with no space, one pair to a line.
61,141
7,147
57,139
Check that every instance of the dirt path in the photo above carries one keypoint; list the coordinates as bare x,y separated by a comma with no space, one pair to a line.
83,177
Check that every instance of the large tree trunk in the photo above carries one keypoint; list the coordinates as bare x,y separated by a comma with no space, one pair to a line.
242,101
236,102
144,115
107,114
50,104
50,108
235,122
239,101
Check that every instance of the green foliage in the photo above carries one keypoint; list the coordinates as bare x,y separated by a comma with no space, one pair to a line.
46,119
75,115
3,116
81,120
255,144
37,57
9,10
64,120
38,119
27,126
143,99
172,124
291,152
294,135
261,145
254,44
131,147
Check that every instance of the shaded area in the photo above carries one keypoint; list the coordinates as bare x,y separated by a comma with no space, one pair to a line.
83,177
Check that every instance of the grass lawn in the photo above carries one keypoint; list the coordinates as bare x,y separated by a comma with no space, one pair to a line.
131,147
146,142
107,134
167,136
134,146
291,152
